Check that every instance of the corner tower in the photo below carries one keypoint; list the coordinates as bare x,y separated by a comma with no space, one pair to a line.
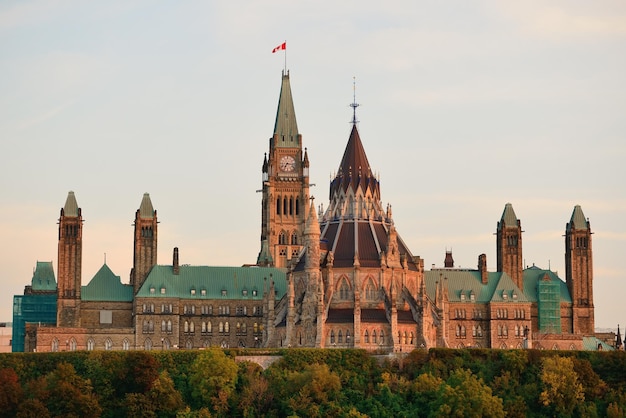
145,248
579,271
70,263
285,176
509,246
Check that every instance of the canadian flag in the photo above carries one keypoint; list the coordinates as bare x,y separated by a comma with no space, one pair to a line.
280,47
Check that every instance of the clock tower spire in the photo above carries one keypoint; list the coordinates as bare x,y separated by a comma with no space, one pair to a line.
285,176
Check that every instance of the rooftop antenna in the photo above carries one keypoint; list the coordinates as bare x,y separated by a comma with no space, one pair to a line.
354,104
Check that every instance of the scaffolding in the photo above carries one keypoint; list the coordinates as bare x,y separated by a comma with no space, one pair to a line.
32,308
549,306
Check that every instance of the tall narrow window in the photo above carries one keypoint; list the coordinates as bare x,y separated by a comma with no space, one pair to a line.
297,206
278,206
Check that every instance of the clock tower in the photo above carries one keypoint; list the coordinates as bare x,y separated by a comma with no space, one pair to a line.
285,176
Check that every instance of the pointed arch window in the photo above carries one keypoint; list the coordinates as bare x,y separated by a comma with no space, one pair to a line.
72,344
382,337
90,344
374,336
366,337
282,238
278,206
294,238
108,344
332,337
125,344
339,337
209,327
55,345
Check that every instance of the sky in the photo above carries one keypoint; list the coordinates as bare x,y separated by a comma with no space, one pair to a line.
464,106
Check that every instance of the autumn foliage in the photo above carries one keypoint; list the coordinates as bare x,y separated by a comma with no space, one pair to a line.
313,383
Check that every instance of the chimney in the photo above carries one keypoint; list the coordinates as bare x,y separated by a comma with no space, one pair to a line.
482,268
175,265
449,261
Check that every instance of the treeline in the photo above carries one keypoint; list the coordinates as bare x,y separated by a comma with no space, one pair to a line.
310,382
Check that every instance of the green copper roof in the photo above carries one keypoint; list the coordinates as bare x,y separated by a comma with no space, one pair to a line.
146,211
106,286
591,344
578,220
286,127
206,282
466,282
43,276
508,216
532,275
71,206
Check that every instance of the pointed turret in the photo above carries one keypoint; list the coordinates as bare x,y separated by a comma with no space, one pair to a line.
145,242
71,208
579,271
509,246
286,128
618,339
70,254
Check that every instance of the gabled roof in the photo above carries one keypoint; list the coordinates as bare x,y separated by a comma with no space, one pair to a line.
533,274
43,277
578,220
286,128
146,210
106,286
508,219
71,206
466,282
355,169
217,282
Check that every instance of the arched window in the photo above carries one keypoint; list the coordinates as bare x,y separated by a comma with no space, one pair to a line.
151,326
203,327
108,344
285,210
382,337
189,344
221,327
366,337
169,325
374,336
55,345
294,239
226,327
125,344
406,337
282,239
186,326
344,290
255,327
291,206
473,330
411,342
209,327
332,337
163,325
278,206
90,344
297,206
348,336
339,337
244,328
192,327
72,344
479,331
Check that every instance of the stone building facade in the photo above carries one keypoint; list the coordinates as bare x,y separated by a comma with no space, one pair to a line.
339,277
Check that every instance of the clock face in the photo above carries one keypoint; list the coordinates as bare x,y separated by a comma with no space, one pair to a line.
287,163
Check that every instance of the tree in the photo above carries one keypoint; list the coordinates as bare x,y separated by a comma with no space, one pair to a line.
70,395
562,390
10,392
213,377
464,395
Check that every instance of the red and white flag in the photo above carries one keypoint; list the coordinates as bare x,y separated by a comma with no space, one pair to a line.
280,47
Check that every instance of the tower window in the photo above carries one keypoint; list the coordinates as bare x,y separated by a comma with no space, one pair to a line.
278,206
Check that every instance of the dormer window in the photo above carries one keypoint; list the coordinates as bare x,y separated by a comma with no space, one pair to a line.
244,292
462,296
163,290
193,292
224,292
254,292
203,292
514,295
152,290
472,296
504,295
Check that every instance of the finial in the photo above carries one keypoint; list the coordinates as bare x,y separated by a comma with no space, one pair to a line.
354,104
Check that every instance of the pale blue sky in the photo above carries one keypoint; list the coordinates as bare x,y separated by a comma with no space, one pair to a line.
465,106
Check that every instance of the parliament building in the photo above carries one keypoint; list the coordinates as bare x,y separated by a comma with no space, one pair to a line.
335,278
